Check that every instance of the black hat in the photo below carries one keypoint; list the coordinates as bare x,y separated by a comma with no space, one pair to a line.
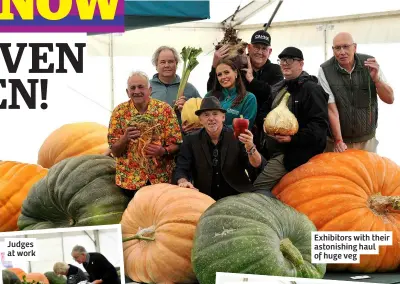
291,52
209,103
261,36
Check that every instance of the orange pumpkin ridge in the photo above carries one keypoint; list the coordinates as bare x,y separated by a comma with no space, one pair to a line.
158,227
351,191
38,277
16,179
85,148
70,140
18,271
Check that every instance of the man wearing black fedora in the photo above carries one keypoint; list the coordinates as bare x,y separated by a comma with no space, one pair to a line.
216,160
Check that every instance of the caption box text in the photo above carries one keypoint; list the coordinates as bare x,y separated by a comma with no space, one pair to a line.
346,247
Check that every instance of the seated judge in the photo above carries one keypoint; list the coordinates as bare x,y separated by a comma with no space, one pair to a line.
219,163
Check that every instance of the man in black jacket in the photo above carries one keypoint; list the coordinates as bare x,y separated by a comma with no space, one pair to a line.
215,158
260,75
309,103
100,270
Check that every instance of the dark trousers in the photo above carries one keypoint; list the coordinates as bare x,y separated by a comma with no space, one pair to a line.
131,193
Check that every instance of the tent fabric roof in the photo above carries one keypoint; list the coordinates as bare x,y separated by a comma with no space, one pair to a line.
222,9
294,10
144,14
141,14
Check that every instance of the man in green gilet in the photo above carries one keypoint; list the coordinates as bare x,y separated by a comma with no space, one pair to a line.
353,81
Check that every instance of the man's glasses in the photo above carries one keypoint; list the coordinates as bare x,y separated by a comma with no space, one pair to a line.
288,61
215,158
345,47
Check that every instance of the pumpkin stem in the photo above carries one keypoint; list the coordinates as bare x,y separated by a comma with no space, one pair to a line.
139,235
290,252
383,204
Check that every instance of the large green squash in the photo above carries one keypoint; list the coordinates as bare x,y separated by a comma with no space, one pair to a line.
78,191
10,277
55,279
253,234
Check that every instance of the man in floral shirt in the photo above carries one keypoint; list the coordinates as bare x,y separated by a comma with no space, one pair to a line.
143,136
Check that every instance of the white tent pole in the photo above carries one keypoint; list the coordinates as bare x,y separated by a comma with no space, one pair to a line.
29,263
246,12
111,54
97,240
323,28
325,45
62,246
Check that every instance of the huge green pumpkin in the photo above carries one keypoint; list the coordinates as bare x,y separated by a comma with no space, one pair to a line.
78,191
10,277
253,234
55,279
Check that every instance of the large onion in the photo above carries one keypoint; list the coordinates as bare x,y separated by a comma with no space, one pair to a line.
281,121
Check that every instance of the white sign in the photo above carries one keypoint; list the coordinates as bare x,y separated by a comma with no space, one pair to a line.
238,278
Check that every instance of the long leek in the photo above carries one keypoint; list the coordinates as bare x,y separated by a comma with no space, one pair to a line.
189,56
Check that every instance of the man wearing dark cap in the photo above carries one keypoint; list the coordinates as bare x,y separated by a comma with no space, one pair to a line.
260,73
309,103
215,158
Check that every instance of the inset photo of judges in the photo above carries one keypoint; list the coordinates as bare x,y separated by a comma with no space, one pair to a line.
80,255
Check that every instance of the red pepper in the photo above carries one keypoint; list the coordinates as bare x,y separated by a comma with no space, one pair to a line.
240,125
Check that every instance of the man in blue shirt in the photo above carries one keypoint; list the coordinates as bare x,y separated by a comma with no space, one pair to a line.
165,82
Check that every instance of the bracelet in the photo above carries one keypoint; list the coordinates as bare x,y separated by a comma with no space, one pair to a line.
166,153
337,141
251,150
248,151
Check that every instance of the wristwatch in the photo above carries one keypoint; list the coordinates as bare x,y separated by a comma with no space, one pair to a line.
166,153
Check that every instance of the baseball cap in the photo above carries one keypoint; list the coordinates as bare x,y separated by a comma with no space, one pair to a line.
261,36
291,52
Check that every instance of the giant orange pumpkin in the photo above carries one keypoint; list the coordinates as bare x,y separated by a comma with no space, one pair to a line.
70,140
351,191
16,179
38,277
158,226
17,271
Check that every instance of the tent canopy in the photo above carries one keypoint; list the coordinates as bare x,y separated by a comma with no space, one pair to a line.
144,14
307,24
